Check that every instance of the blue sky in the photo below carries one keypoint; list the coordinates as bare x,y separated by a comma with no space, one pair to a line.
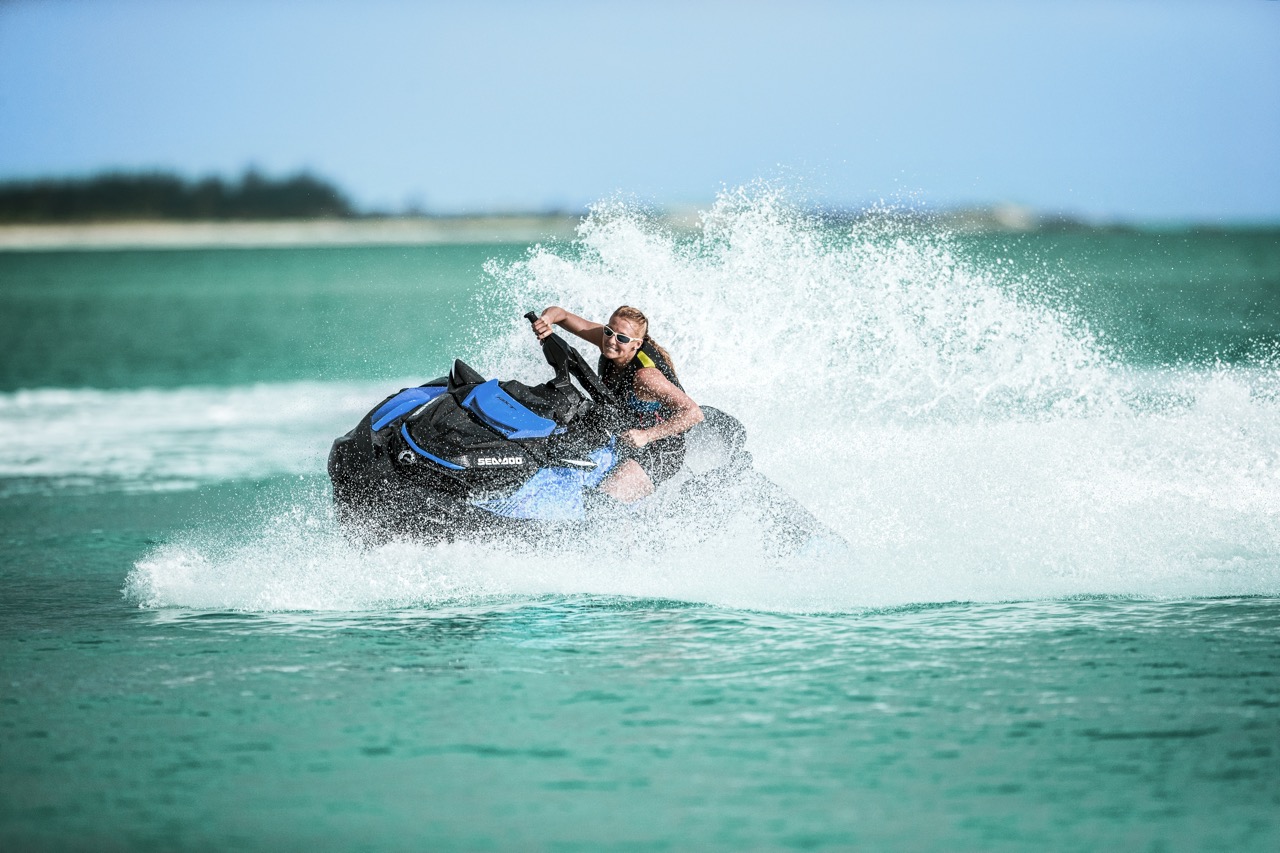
1123,110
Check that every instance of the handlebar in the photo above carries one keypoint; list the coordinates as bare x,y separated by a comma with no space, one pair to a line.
566,360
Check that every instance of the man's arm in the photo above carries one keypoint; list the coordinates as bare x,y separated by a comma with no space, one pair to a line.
652,385
583,328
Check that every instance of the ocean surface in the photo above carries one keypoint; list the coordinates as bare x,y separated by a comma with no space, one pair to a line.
1055,457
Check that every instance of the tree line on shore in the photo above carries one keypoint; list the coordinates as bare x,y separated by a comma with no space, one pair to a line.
159,195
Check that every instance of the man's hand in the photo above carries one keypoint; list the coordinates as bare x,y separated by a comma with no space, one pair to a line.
542,328
637,438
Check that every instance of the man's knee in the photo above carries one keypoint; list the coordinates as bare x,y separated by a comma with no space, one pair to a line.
627,483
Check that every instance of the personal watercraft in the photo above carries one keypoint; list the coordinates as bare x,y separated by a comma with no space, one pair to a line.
463,456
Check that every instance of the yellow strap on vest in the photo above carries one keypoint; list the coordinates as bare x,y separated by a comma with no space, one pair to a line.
644,359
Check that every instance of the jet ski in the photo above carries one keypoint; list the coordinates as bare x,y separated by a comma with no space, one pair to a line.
465,456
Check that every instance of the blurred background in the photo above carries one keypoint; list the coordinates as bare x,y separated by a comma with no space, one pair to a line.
1148,111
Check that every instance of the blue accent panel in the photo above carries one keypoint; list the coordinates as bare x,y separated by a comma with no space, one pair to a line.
605,458
406,401
552,494
404,430
500,411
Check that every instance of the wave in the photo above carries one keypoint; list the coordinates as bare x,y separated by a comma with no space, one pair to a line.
966,435
162,439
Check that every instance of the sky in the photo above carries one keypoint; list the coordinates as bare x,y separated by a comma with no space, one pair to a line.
1125,110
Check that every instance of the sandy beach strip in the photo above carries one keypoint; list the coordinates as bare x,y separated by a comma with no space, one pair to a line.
290,233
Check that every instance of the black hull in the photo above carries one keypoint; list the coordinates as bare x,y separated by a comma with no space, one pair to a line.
377,500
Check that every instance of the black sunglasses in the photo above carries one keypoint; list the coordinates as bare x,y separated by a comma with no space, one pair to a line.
622,339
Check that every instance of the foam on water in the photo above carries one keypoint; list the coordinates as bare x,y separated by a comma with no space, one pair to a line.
148,439
969,440
300,562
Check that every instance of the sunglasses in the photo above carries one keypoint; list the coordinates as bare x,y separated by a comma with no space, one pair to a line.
622,339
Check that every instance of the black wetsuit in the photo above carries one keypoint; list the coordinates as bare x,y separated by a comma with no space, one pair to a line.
662,458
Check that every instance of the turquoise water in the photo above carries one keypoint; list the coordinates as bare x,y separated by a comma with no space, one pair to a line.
132,319
1056,459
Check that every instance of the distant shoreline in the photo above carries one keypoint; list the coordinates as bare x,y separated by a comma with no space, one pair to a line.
406,231
480,229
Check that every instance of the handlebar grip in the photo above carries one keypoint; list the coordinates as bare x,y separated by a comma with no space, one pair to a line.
531,316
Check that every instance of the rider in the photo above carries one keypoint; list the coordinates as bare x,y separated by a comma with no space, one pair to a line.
642,378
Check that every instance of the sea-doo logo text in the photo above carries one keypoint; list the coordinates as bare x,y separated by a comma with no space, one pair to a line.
500,460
